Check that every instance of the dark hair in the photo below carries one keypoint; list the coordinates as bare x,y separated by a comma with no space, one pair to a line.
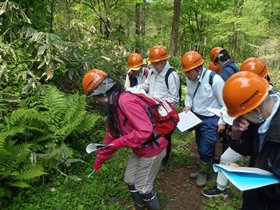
223,56
113,96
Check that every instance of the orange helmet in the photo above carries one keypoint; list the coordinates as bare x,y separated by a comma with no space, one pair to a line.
255,65
191,60
92,79
134,61
215,52
243,92
157,53
213,67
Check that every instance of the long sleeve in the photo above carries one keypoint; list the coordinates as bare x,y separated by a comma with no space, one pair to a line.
174,86
145,84
127,82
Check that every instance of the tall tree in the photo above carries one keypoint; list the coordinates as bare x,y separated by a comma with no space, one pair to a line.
175,28
140,9
103,13
238,6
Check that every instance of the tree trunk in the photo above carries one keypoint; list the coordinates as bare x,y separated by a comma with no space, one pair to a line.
138,27
238,6
175,28
52,15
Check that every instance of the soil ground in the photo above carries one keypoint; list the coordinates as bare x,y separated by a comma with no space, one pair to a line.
180,190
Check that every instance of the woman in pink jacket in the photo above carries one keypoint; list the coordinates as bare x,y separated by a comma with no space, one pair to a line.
128,125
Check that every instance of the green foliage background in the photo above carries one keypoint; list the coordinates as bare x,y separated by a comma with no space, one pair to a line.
45,48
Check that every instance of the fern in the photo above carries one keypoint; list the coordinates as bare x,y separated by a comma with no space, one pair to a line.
19,184
4,134
33,141
31,172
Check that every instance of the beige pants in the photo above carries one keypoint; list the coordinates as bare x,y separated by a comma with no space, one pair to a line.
142,171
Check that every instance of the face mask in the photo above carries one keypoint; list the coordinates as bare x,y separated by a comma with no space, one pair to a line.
96,105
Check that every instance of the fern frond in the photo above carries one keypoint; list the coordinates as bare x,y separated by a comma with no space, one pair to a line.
74,116
54,101
10,133
77,120
20,116
31,172
87,124
19,184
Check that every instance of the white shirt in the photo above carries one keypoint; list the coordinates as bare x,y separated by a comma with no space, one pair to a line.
206,96
265,126
156,87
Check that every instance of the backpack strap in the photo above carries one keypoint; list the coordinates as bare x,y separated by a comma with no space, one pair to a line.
198,84
211,77
169,71
155,136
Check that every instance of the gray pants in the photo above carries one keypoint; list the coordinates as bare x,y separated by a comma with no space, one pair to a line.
142,171
229,156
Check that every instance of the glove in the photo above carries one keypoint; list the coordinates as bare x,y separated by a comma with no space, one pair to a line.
116,144
97,165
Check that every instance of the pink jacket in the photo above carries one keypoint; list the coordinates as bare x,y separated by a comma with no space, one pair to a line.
136,131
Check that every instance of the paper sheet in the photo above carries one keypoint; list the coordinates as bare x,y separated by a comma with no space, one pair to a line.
223,114
136,90
187,121
247,178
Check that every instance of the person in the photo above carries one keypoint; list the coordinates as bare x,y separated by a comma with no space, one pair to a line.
214,68
155,84
163,83
220,57
137,71
200,96
144,162
253,104
258,67
236,151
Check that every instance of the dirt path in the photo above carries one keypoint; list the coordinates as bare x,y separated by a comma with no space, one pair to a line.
180,189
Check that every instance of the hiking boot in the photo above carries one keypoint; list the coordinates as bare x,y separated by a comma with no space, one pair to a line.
138,207
163,166
201,179
133,208
194,175
214,192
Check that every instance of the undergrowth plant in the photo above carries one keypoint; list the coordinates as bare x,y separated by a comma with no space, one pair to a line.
36,140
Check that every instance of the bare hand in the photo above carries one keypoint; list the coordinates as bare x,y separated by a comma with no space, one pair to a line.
243,124
187,108
233,165
221,128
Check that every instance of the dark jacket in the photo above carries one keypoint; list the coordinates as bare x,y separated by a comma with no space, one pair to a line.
247,145
228,69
